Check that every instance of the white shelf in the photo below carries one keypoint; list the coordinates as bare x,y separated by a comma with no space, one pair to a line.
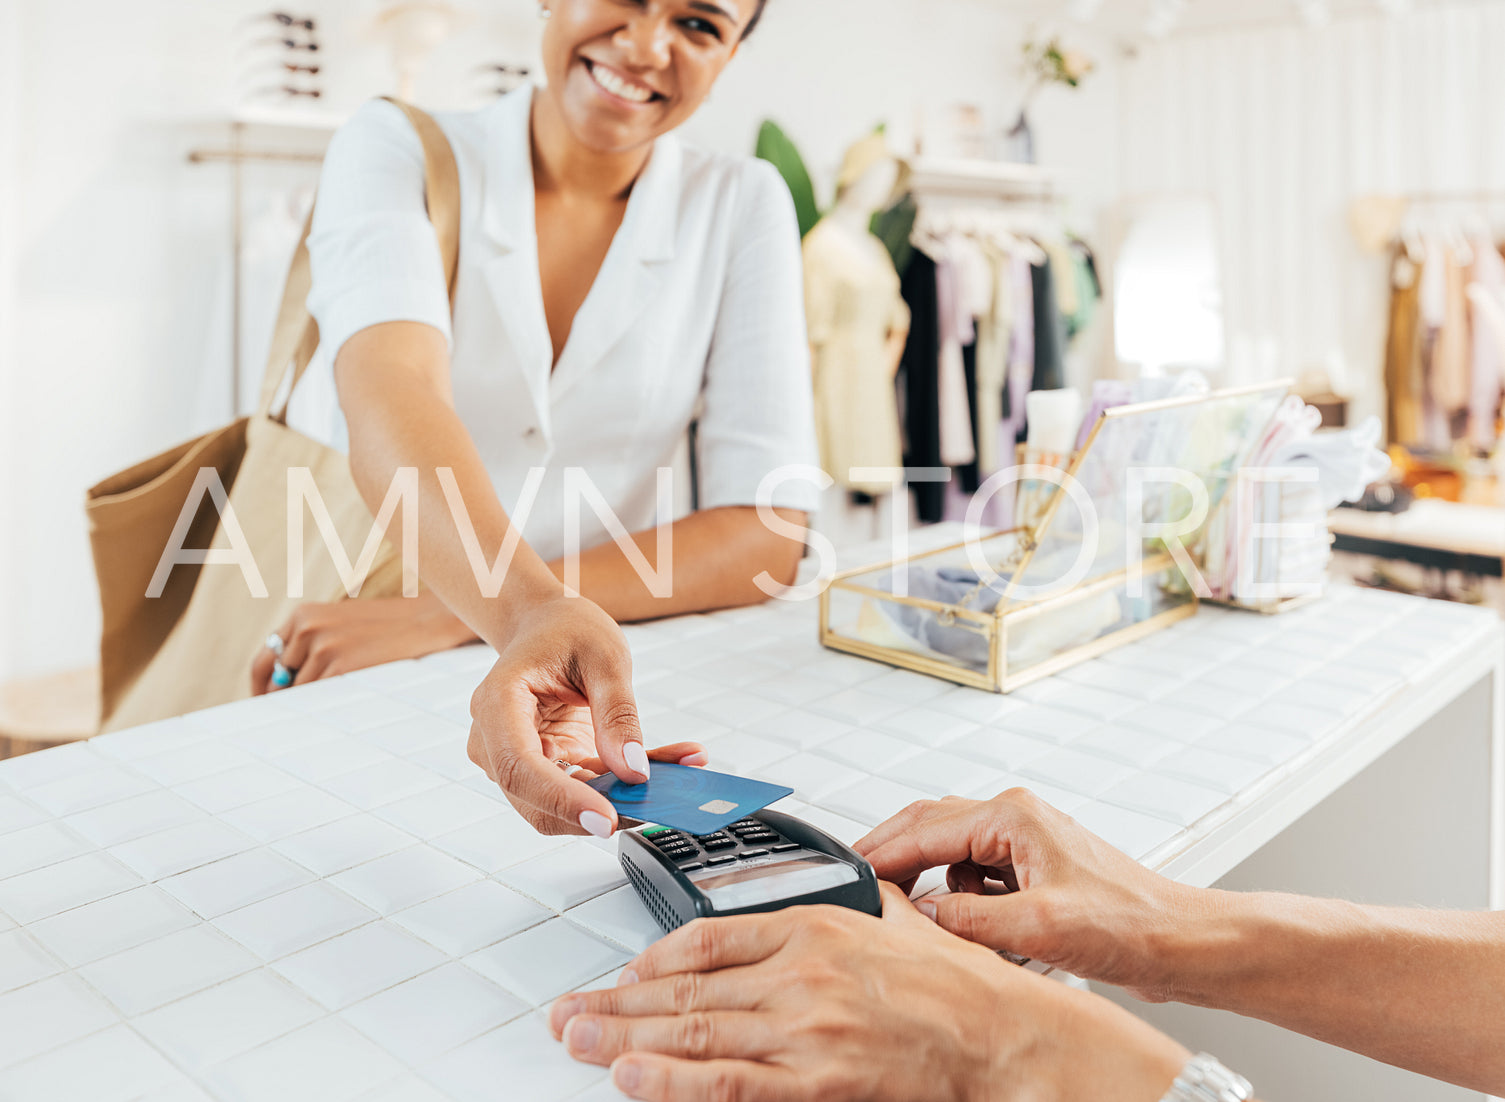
943,176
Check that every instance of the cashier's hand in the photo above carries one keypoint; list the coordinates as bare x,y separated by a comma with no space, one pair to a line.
823,1003
556,711
1030,880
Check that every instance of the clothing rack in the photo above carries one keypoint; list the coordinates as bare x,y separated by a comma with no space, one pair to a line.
237,157
931,178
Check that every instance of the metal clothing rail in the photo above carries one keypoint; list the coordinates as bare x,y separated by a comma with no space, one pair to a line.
237,157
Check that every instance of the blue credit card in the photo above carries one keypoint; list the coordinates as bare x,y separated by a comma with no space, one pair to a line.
697,801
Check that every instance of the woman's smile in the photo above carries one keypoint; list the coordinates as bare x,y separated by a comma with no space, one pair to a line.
619,86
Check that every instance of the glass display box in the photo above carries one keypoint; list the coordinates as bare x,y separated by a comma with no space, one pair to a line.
1105,551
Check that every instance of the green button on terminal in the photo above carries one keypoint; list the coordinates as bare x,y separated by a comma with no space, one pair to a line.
654,831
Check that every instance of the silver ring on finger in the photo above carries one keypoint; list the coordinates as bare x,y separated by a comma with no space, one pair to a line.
275,644
569,770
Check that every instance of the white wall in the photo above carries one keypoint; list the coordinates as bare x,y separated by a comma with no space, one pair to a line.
115,338
1284,127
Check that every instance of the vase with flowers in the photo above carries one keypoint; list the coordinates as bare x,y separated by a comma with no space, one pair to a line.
1045,63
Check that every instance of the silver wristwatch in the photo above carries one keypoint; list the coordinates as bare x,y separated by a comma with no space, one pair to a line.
1205,1080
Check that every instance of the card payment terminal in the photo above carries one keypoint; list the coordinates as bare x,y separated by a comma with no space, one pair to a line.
765,862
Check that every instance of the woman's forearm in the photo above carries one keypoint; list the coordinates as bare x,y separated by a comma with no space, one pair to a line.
1424,990
716,557
399,417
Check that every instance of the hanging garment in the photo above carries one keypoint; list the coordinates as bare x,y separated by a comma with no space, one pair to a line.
1404,381
853,306
1450,354
1089,292
1050,332
1021,357
956,331
993,332
921,384
1487,371
1059,259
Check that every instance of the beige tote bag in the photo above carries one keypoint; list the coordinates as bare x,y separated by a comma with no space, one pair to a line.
192,645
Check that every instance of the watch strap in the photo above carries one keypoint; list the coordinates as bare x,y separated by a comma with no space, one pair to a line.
1204,1079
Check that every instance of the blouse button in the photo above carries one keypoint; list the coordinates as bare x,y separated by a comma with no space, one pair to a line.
531,433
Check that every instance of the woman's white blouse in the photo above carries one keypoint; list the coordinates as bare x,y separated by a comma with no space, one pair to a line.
697,314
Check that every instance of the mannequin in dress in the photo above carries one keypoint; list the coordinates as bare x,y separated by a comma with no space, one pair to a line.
858,322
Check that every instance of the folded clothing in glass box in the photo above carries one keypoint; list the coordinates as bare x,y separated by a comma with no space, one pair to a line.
1113,557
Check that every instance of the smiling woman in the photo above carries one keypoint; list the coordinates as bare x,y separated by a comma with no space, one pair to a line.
613,286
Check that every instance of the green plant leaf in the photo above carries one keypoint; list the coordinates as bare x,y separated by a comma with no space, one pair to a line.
775,147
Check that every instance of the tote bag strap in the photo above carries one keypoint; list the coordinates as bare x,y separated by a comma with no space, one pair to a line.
296,337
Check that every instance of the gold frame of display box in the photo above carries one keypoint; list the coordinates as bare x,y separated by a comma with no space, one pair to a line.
1024,639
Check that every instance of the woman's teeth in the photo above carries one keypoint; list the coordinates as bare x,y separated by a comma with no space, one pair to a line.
634,93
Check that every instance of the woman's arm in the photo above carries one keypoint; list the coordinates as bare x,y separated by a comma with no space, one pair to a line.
1424,990
559,655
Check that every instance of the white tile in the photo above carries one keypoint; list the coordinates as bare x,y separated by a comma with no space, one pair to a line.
434,1013
417,732
212,890
294,920
843,669
350,967
1166,719
316,696
976,704
113,1066
364,713
169,852
383,783
873,800
296,732
937,773
735,708
566,877
45,1015
46,766
1340,699
134,818
290,813
245,784
1096,703
189,763
224,1021
792,687
1167,798
1287,663
1223,772
678,690
926,727
227,720
449,759
522,1055
44,892
1124,680
601,1092
471,917
328,1061
23,961
1310,724
1004,749
343,844
544,962
149,739
37,847
401,879
1215,700
409,1088
1259,743
494,844
1135,834
1075,771
1128,745
906,686
798,728
168,968
811,775
16,813
742,753
1043,722
855,706
620,917
437,811
1059,798
109,926
329,758
92,788
669,727
738,670
870,750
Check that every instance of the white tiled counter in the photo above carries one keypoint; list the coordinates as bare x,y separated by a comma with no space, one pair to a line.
317,896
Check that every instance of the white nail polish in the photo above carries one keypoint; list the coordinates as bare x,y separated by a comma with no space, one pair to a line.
636,757
595,823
